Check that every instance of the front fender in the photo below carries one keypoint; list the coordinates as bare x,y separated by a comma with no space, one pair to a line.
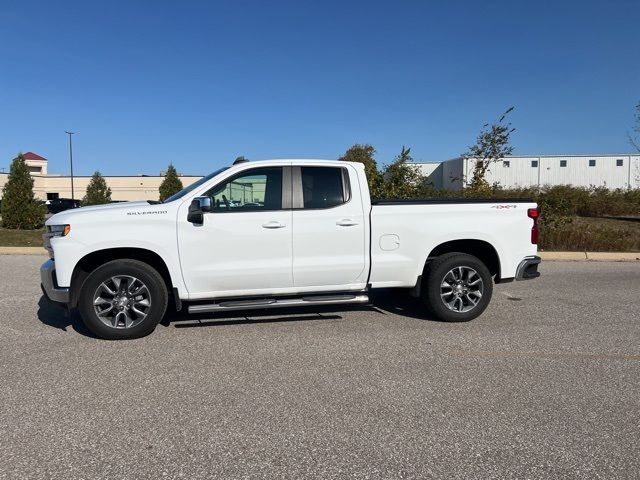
68,253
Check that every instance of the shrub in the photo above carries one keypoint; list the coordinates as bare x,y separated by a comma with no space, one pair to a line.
401,179
563,205
580,235
601,201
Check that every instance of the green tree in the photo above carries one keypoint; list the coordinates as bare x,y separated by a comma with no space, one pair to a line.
97,191
20,209
171,183
404,180
365,155
492,144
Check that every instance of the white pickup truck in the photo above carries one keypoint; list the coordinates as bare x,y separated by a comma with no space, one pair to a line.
281,233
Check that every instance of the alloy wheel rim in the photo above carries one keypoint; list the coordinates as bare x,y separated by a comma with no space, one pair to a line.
122,301
461,289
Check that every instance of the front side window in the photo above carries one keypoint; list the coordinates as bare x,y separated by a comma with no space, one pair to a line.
322,187
252,190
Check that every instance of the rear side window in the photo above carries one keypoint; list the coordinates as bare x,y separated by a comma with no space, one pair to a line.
323,187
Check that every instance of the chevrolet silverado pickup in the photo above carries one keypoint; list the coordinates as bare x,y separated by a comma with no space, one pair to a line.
281,233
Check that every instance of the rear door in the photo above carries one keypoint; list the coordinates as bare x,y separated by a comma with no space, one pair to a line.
329,246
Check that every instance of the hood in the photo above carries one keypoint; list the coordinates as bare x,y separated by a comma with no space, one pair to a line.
64,217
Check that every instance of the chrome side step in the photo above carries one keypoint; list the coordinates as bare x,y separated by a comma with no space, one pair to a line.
251,304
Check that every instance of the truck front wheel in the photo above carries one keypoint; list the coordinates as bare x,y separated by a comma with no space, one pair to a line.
123,299
456,287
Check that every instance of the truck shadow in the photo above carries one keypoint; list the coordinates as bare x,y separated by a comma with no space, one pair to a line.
59,317
384,302
203,320
400,302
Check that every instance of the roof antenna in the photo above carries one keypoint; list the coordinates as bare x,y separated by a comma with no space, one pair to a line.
240,160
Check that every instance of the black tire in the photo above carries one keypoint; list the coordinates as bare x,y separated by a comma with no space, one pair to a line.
157,294
432,287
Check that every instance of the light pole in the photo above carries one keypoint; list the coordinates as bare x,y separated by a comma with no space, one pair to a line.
71,161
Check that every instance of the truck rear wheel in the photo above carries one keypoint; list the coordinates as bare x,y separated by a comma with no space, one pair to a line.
456,287
123,299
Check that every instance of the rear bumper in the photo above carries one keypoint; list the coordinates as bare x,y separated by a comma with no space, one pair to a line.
528,268
49,285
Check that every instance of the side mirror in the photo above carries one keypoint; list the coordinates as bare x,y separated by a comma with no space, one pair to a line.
204,203
199,206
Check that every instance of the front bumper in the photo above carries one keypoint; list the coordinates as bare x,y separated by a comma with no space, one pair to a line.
528,268
49,284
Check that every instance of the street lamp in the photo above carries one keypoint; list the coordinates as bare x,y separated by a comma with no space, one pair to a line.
71,161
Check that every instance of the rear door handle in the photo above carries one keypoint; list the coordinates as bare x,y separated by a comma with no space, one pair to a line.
346,222
273,224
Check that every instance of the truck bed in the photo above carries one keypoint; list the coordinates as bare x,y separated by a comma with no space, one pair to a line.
404,233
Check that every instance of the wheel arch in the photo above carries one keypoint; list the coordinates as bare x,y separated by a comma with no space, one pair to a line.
481,249
93,260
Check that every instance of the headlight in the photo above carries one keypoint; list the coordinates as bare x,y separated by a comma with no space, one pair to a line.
58,230
52,232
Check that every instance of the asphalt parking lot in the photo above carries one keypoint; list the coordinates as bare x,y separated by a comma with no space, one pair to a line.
545,384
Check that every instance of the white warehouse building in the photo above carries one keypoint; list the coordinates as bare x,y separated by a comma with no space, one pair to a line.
611,171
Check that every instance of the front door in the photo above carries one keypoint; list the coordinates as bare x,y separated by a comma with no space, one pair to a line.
244,245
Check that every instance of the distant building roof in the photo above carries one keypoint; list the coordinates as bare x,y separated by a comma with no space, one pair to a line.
33,156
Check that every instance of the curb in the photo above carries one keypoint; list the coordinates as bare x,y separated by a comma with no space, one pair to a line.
613,256
591,256
23,251
567,256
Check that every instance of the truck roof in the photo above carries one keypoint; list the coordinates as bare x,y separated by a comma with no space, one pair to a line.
294,161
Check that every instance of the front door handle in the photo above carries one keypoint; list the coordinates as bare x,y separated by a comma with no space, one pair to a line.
346,222
273,224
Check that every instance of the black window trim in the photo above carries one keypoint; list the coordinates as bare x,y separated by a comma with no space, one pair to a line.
346,186
286,189
298,197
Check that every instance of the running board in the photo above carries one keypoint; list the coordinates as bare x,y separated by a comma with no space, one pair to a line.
278,303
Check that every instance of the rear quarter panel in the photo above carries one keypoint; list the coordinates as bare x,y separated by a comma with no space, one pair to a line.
402,236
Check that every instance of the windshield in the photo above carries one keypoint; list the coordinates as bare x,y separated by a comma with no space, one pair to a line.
193,186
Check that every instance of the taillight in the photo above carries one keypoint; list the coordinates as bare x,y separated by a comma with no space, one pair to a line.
534,213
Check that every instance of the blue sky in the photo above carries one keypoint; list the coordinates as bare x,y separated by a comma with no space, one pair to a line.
199,83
